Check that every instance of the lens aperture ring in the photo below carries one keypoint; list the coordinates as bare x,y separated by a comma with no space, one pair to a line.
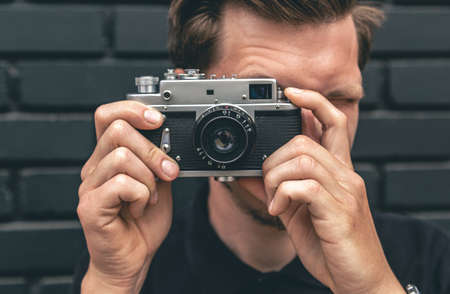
223,134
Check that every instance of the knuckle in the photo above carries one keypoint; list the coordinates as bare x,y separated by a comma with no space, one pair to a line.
118,128
120,179
264,166
269,179
300,140
82,209
153,153
83,172
121,156
100,114
314,187
341,119
283,188
360,183
143,193
305,162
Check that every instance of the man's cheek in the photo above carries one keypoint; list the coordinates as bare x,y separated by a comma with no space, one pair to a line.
253,185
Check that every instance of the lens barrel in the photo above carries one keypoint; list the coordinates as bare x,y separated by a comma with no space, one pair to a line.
224,134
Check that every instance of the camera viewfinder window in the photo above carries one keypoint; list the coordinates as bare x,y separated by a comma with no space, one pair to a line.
261,91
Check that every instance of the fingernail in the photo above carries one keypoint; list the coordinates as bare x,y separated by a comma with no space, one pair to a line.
169,168
271,206
152,116
296,91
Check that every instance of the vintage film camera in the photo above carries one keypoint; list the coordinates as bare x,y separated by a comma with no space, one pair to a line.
223,127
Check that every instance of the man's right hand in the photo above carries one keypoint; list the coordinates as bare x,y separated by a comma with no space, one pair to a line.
125,213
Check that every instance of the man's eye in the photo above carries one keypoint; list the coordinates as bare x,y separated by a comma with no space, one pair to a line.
343,101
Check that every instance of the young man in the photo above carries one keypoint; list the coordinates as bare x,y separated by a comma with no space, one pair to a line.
305,226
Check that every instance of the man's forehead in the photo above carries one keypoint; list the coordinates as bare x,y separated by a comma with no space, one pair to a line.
317,57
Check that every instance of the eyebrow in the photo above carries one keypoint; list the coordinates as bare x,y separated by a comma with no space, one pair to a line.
255,76
349,91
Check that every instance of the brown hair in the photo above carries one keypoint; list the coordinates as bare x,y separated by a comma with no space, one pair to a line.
194,24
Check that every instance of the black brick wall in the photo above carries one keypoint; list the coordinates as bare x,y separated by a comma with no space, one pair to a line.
59,60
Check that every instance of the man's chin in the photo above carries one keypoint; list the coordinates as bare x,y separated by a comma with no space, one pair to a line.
250,196
254,186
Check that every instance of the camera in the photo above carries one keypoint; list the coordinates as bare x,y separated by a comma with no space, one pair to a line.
222,127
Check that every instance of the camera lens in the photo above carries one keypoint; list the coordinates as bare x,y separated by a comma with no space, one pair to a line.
224,134
224,140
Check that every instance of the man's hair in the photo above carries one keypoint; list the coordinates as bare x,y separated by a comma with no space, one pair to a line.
194,24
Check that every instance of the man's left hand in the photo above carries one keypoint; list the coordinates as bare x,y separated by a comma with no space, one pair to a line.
323,204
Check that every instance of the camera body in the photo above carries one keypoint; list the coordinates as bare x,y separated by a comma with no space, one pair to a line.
223,127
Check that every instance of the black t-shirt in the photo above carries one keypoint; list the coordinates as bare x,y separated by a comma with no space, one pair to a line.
193,259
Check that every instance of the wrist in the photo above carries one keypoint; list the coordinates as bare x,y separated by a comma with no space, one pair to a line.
390,285
95,282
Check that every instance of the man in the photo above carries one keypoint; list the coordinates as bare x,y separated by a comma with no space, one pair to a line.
306,226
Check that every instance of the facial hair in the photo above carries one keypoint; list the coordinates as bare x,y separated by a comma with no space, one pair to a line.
254,208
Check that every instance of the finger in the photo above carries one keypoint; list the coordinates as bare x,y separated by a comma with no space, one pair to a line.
109,198
300,168
335,136
303,145
137,114
120,161
320,203
122,134
311,127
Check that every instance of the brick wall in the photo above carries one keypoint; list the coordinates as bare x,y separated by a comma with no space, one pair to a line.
61,59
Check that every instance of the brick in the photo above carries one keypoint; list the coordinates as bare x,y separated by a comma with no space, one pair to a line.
390,136
3,86
40,247
414,30
441,219
444,223
55,285
50,138
49,192
13,286
141,29
423,83
25,29
374,81
81,84
6,197
415,186
371,178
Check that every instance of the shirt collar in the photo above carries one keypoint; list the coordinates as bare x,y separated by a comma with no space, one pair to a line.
216,266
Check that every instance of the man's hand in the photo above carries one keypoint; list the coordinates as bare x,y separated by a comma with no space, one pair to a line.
322,202
125,213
